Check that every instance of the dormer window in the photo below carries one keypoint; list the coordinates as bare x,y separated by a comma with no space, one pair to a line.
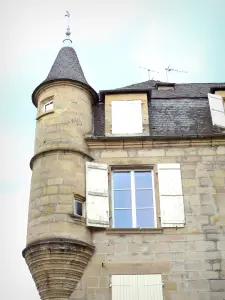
165,86
48,106
126,117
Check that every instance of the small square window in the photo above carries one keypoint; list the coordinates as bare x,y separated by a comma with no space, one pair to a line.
133,199
78,208
48,106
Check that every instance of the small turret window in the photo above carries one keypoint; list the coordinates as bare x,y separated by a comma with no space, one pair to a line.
78,208
48,106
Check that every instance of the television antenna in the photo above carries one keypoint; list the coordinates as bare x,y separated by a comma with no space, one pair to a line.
168,69
149,70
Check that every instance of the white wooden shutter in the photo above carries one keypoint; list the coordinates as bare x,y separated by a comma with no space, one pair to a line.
133,287
127,117
134,116
171,195
217,109
124,287
118,117
150,287
97,200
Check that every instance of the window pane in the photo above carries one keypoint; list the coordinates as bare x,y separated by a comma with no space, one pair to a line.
122,199
143,180
78,208
145,218
121,180
122,218
144,198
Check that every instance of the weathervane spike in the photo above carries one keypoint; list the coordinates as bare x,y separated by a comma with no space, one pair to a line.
68,32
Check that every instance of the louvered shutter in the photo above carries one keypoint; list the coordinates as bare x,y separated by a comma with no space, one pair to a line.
150,287
217,110
171,195
124,287
133,287
97,200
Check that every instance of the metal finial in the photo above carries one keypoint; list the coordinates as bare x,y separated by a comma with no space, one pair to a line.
68,32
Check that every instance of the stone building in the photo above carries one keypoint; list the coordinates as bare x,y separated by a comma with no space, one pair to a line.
127,193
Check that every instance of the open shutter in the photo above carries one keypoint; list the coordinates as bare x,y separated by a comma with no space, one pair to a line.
217,110
150,287
171,195
97,200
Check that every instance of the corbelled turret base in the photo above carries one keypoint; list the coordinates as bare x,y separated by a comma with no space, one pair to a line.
57,265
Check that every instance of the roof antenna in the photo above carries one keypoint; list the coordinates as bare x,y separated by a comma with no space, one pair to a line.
67,41
149,70
168,69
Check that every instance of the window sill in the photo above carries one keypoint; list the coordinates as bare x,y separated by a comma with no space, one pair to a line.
134,230
79,220
45,113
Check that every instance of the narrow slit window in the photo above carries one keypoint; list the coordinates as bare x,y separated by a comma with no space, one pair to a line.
78,208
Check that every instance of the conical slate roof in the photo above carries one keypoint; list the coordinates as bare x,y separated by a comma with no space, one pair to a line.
66,67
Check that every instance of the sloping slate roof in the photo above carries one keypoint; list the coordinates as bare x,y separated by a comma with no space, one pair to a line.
182,90
179,117
67,66
181,112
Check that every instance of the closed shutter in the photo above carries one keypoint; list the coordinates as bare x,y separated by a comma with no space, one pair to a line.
150,287
124,287
119,117
217,110
97,200
171,195
134,116
133,287
127,117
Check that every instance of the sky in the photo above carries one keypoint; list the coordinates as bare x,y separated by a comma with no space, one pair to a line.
113,39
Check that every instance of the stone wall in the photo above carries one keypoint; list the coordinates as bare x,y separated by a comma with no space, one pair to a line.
70,120
59,245
59,163
190,259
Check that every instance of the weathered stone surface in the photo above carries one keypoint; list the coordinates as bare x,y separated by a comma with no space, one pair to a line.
190,259
57,265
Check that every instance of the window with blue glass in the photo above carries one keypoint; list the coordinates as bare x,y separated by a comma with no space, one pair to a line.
133,199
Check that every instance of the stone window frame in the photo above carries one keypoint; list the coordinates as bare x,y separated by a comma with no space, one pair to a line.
138,167
41,112
79,220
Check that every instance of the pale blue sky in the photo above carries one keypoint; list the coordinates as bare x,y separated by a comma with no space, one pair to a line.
112,39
